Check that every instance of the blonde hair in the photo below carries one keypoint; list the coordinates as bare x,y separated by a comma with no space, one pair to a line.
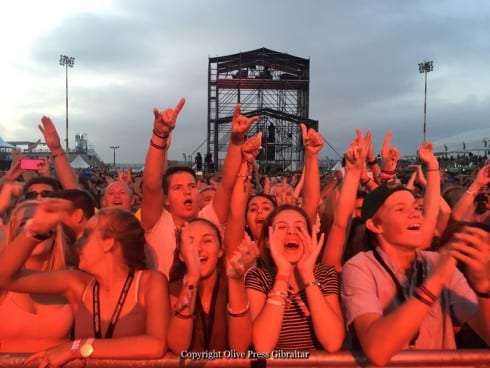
57,258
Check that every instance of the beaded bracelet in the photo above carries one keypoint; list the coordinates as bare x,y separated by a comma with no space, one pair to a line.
312,283
275,302
241,313
280,294
75,346
161,148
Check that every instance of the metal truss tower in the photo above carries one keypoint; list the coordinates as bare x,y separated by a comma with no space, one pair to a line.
267,83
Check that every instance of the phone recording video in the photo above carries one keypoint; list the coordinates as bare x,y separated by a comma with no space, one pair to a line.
29,164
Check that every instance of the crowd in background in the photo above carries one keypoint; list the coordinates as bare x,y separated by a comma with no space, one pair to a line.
125,266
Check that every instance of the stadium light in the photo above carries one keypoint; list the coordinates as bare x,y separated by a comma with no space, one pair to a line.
114,148
67,62
425,67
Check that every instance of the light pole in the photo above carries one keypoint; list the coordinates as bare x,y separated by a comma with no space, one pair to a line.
114,148
425,67
67,62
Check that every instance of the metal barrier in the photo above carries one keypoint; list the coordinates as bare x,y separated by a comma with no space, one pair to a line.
413,358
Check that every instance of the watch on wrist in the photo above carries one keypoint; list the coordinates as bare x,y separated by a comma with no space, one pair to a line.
87,349
39,237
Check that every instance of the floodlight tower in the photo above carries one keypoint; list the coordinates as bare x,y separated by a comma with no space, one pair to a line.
114,148
425,67
67,62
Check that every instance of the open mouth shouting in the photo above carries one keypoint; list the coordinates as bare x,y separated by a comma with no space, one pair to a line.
414,227
188,204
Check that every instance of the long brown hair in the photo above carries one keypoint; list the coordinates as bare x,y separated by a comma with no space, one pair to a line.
14,227
124,228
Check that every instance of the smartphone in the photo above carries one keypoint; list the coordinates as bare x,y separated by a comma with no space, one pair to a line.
29,164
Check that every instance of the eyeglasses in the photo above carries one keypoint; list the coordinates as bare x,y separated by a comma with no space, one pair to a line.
34,195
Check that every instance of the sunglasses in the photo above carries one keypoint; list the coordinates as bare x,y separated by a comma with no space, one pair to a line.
34,195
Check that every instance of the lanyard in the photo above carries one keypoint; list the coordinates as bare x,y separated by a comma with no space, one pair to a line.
117,310
399,290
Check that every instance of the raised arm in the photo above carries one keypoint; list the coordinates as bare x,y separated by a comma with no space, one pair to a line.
465,203
313,143
355,158
326,315
372,161
64,171
8,194
235,226
156,163
14,254
239,319
389,160
432,192
181,323
267,312
240,125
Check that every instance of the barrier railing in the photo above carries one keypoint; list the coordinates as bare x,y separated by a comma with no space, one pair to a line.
406,359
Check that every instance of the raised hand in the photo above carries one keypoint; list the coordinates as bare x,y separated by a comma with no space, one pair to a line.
276,245
471,246
43,167
418,174
125,176
368,139
312,140
14,171
50,134
389,154
190,254
251,148
312,247
426,154
165,120
483,176
243,259
48,214
356,153
8,192
240,125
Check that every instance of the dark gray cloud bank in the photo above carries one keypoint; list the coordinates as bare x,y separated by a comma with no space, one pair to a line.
364,72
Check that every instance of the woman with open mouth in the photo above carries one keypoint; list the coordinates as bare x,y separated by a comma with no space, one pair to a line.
210,308
294,301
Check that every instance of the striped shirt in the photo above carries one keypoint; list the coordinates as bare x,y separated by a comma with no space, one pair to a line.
297,329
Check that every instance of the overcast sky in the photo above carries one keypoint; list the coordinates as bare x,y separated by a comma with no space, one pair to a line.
133,55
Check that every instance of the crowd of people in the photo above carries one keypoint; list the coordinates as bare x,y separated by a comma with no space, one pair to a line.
131,267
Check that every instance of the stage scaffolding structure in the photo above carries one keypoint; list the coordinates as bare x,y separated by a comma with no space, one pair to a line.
267,83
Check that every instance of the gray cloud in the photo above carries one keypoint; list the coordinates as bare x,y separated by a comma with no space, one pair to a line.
364,72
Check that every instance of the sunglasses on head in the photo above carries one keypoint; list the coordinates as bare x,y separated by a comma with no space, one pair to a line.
34,195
